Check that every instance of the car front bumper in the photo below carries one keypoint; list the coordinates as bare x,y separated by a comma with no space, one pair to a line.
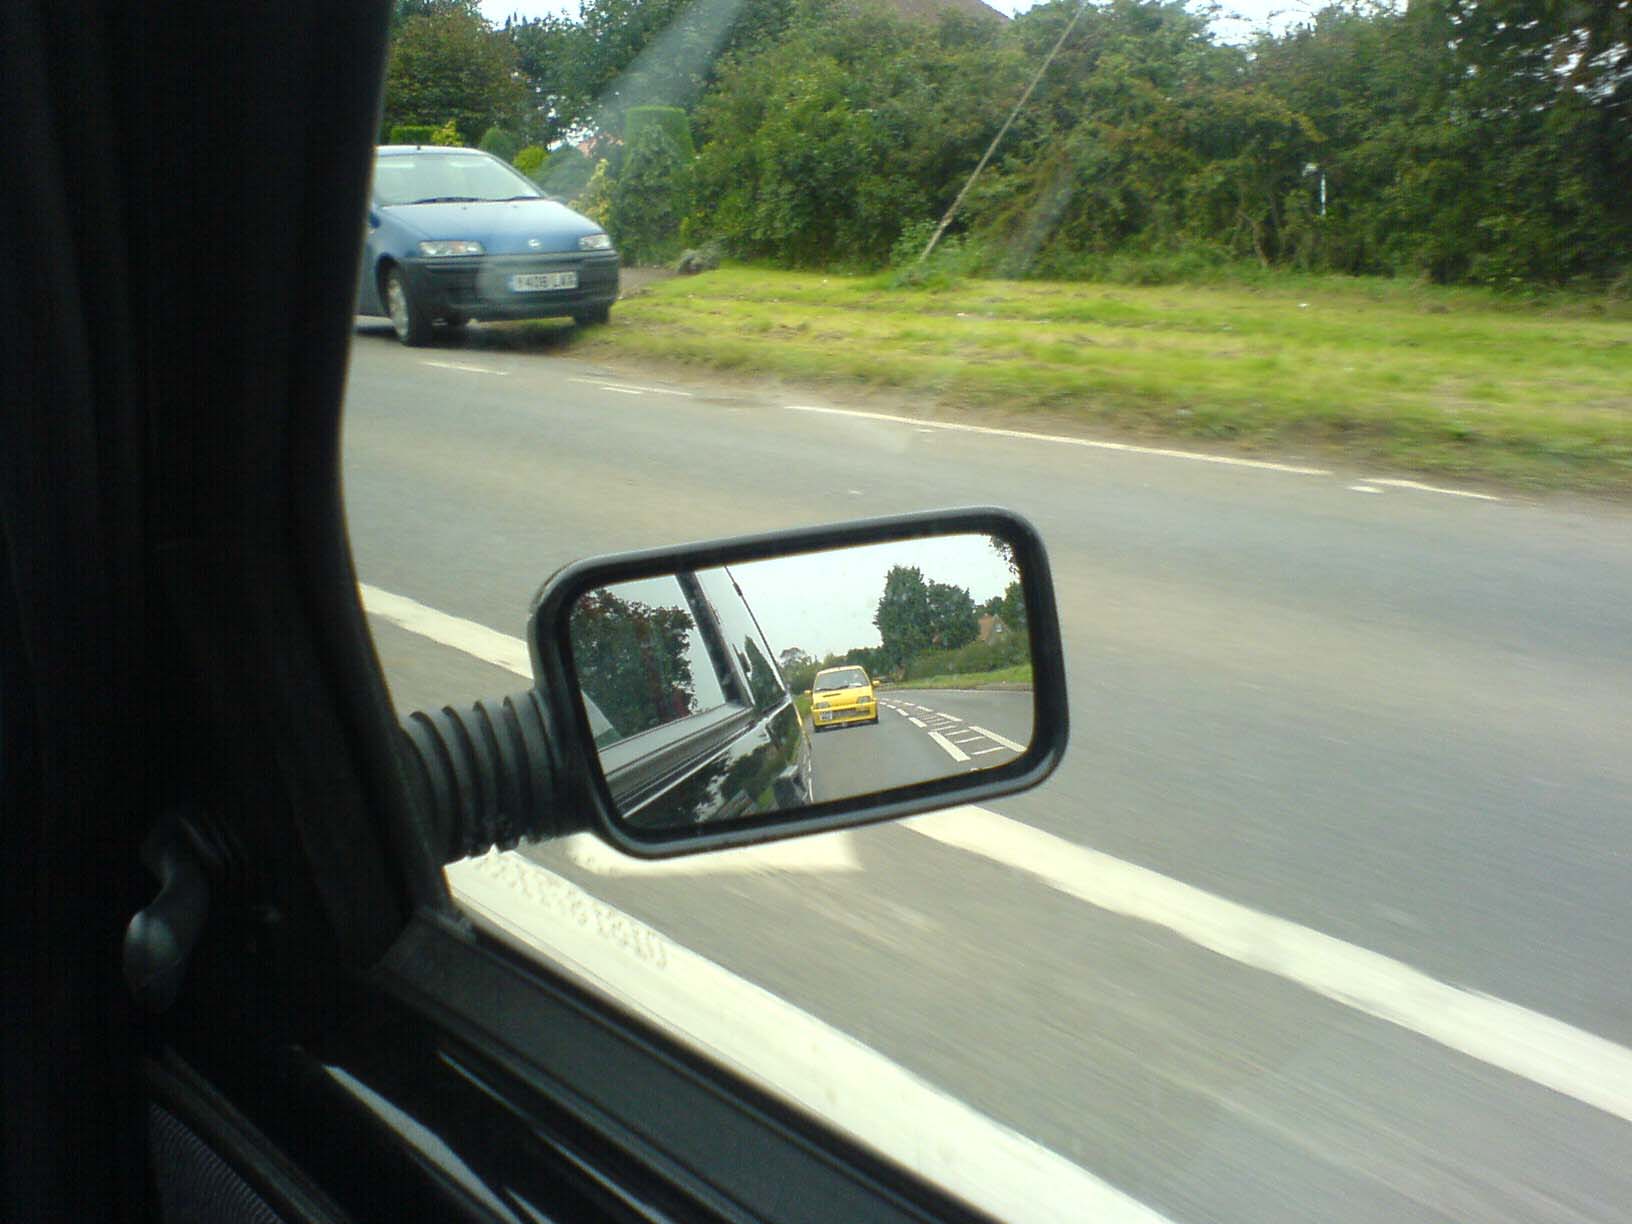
479,288
843,716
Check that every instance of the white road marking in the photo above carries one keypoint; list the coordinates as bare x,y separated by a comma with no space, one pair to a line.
622,390
469,369
1427,488
917,722
949,717
1062,440
488,645
1559,1056
985,751
823,852
998,739
767,1039
968,739
1363,489
636,387
952,750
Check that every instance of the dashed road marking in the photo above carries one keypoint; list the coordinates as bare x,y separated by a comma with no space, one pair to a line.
468,369
1428,488
985,751
924,426
630,387
998,739
952,750
917,722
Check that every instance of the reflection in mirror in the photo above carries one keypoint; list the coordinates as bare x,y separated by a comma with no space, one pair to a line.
765,686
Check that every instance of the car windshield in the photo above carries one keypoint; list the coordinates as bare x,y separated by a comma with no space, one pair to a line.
1303,334
852,677
408,178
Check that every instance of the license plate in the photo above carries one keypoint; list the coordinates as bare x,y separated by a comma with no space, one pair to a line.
824,718
532,282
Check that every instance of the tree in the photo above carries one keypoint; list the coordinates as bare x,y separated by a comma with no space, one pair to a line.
632,660
653,192
447,64
915,615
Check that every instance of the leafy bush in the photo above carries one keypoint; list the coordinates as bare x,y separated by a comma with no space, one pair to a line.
698,259
529,161
566,172
1006,650
412,134
500,143
447,135
653,189
595,200
671,119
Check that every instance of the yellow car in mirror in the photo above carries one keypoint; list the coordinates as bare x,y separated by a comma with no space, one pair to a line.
840,696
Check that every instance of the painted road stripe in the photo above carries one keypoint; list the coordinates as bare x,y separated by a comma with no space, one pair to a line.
635,387
917,722
797,1056
1427,488
468,369
1062,440
998,739
622,390
950,717
986,751
488,645
1589,1068
952,750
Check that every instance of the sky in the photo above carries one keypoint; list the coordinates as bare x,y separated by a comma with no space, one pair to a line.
824,602
1249,14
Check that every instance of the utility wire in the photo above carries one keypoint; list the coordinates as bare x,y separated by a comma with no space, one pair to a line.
1003,131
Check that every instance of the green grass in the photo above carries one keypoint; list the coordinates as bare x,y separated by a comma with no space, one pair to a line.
1534,392
1020,673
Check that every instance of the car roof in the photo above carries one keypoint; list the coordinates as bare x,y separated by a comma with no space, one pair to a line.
434,150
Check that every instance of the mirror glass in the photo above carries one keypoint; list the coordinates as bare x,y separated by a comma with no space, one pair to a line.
768,685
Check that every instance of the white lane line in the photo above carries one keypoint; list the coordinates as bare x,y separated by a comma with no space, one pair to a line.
968,739
1062,440
1363,489
622,390
998,739
1428,488
952,750
468,369
949,717
917,722
488,645
1559,1056
636,387
985,751
791,1052
825,852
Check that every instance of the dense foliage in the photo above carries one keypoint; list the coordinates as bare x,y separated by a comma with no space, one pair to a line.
1485,141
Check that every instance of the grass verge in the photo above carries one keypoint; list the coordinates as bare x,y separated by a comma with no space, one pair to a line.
1007,677
1533,393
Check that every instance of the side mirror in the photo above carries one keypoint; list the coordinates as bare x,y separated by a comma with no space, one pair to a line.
662,675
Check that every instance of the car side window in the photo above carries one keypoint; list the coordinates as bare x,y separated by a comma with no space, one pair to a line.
742,635
642,659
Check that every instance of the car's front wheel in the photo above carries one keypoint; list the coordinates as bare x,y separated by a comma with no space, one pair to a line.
411,321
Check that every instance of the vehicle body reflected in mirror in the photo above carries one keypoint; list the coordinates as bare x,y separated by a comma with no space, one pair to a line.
732,692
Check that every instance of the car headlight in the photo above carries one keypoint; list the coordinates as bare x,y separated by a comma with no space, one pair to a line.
821,705
864,701
595,242
441,248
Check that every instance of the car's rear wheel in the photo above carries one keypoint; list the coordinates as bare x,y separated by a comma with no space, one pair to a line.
410,320
598,315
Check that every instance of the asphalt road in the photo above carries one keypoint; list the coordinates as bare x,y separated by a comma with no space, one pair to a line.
921,735
1305,705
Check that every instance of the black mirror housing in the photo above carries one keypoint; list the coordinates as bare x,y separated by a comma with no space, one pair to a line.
678,737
